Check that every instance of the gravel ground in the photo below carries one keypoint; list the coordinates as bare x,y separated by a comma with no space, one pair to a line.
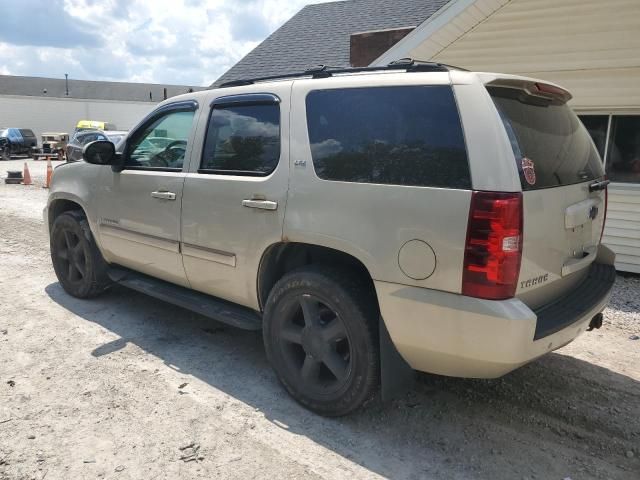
127,387
624,308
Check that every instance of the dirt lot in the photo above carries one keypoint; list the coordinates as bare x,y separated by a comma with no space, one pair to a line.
127,387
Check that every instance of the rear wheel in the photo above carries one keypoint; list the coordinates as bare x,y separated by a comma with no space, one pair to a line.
76,259
6,153
320,335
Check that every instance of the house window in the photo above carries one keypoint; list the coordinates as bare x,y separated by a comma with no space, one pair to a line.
623,159
618,137
597,126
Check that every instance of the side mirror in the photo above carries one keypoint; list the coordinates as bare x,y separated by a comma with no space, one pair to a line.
101,152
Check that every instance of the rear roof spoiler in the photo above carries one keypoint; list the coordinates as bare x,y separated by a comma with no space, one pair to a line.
535,88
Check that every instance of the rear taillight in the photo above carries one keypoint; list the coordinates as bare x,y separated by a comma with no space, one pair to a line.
551,91
494,245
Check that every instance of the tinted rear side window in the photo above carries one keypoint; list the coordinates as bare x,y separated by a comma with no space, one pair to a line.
551,146
388,135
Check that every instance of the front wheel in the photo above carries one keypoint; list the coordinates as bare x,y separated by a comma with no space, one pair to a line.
76,259
320,335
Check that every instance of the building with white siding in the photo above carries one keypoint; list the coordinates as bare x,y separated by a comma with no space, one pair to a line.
54,105
591,47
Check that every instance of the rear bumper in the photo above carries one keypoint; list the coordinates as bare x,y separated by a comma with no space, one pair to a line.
460,336
579,302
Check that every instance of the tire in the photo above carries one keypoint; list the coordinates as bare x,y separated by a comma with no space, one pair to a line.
6,154
78,263
320,334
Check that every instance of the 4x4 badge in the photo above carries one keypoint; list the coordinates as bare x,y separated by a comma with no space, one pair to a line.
528,168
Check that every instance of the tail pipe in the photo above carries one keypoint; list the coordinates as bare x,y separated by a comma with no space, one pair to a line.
596,322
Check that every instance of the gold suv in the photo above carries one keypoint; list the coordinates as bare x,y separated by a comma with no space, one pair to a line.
370,222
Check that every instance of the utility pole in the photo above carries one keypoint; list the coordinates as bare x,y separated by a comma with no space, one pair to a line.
66,84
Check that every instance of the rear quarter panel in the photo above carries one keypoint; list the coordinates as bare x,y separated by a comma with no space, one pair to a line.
372,222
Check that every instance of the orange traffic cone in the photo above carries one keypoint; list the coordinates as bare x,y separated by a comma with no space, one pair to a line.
26,175
47,182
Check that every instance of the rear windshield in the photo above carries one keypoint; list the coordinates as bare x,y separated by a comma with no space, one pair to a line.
26,133
115,139
551,146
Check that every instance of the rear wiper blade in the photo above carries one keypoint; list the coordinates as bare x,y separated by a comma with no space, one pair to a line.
599,185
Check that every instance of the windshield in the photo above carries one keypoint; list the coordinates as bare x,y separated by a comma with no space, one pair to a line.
551,146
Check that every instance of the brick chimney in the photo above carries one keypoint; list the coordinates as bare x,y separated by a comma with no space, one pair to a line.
367,46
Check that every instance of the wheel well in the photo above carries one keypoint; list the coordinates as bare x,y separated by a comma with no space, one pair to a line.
282,258
58,207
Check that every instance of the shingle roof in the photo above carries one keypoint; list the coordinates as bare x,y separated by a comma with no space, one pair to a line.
85,89
319,35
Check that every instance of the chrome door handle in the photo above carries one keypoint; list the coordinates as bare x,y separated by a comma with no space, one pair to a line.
262,204
164,195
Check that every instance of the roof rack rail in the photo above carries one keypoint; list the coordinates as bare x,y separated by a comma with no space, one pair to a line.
324,71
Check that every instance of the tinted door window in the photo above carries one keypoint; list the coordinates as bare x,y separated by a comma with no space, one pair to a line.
242,140
162,144
550,144
597,126
388,135
623,161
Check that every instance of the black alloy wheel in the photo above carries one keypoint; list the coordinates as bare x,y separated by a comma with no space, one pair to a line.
77,261
72,255
320,330
314,340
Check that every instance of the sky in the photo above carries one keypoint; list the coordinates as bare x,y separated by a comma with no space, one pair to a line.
181,42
